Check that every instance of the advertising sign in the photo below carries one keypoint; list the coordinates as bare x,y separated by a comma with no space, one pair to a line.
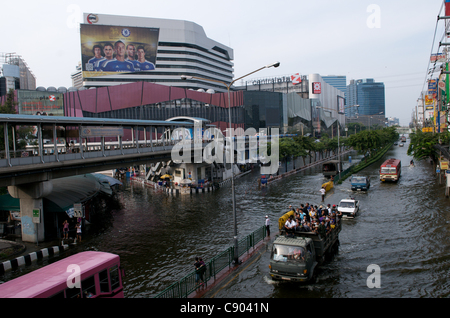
316,87
108,49
101,131
40,103
437,57
341,104
432,87
296,79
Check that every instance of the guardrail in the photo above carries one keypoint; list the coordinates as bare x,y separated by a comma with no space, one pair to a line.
365,162
188,284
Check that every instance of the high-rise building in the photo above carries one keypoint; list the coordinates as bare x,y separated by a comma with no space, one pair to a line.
368,94
337,81
77,77
122,49
15,73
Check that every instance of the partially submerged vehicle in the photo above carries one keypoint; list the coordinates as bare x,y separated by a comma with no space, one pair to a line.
360,183
328,185
294,257
391,170
331,168
349,208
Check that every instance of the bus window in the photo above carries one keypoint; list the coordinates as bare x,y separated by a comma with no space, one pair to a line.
58,295
104,283
114,274
73,292
88,286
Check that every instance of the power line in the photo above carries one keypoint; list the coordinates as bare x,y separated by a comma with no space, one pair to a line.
432,46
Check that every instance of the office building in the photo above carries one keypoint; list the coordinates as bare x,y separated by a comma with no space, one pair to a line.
337,81
15,74
368,94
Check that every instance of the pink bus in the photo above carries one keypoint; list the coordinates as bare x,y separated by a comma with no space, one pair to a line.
83,275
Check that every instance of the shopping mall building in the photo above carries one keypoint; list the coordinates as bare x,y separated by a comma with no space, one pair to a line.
131,68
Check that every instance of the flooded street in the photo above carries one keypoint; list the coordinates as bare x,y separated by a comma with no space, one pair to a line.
402,227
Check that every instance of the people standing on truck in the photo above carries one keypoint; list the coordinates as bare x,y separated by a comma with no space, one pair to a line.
321,218
290,225
322,229
319,210
268,225
312,213
333,221
338,215
302,215
305,211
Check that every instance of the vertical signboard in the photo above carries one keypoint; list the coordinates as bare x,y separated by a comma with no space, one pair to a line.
316,87
36,215
341,105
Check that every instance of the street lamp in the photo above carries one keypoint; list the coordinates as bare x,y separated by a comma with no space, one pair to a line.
233,195
339,136
339,144
372,118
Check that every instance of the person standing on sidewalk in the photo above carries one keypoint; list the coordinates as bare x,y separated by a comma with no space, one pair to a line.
268,226
78,227
66,229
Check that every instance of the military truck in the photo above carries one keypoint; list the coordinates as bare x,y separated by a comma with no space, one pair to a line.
295,256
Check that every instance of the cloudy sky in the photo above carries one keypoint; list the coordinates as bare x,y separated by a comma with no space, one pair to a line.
388,40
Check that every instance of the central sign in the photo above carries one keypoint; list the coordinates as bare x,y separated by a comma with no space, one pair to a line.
101,131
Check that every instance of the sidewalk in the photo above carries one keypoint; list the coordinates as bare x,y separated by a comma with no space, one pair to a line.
229,274
14,254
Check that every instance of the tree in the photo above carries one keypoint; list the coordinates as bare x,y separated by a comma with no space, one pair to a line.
288,147
307,144
354,127
365,141
421,145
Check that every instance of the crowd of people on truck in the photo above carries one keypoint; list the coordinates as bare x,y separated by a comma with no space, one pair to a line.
317,219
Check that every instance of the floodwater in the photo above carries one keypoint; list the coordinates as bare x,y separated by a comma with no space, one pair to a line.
402,228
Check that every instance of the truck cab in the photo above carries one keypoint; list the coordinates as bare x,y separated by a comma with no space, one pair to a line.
292,259
360,183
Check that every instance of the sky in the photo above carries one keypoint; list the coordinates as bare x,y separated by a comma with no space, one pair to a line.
387,40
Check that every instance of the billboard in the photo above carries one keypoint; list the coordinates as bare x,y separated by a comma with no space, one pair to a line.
432,87
341,105
109,50
40,103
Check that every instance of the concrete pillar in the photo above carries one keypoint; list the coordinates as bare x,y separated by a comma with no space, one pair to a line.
31,196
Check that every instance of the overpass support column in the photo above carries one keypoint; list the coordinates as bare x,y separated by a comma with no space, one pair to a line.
31,196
